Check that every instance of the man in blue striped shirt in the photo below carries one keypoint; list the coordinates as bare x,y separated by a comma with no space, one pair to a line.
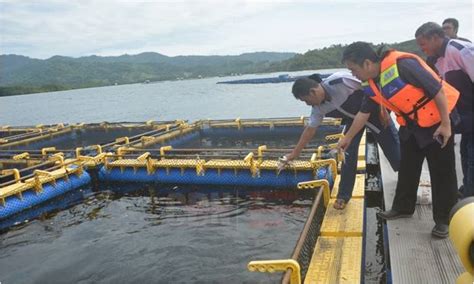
451,27
453,59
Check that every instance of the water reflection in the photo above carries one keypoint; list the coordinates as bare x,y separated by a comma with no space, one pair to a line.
158,233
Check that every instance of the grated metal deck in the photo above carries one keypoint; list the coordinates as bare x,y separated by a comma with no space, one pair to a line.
415,256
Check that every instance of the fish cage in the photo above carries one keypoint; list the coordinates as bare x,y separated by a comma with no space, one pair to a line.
36,145
175,163
63,136
48,167
240,133
117,158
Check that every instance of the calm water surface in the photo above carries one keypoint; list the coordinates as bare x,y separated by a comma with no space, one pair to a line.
170,100
156,234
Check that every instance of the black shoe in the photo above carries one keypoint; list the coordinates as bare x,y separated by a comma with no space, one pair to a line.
392,215
441,231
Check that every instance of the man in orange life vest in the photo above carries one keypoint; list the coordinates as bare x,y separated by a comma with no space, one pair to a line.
403,83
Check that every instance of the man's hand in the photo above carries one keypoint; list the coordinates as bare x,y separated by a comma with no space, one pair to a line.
284,162
344,143
384,117
290,157
443,131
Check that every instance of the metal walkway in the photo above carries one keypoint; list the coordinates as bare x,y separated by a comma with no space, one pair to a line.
415,256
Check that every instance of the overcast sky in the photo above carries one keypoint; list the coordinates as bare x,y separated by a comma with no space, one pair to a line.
41,29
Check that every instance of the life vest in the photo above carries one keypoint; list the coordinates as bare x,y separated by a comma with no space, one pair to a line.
407,101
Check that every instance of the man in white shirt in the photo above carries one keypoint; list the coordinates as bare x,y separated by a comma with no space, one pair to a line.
340,95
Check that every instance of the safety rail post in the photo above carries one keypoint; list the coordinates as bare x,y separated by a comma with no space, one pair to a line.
149,122
334,136
120,152
93,161
200,167
78,152
331,146
319,152
332,163
150,169
38,185
22,156
271,125
124,139
106,160
252,165
164,149
238,122
277,265
14,172
315,184
260,150
44,151
143,157
58,157
98,148
146,139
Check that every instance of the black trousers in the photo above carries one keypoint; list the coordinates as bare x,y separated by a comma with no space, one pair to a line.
442,169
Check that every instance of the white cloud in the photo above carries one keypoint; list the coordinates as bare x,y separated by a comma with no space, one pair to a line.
44,29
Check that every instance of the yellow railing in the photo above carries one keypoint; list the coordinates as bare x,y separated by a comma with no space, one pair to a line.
278,265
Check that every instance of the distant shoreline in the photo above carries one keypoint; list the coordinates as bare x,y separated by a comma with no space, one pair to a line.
9,91
22,75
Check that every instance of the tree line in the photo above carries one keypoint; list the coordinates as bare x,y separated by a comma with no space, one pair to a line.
23,75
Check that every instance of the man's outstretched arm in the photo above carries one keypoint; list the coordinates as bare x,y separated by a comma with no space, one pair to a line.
306,136
359,122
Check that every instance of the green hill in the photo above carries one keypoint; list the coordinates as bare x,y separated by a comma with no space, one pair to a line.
22,75
330,57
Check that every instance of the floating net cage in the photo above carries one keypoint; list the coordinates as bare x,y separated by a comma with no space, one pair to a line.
41,163
9,131
80,135
36,145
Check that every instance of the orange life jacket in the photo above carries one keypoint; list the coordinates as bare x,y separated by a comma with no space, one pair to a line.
405,100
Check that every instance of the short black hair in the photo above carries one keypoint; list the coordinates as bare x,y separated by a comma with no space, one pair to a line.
429,29
302,86
316,77
452,21
357,52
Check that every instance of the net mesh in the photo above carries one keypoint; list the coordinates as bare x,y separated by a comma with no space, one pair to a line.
305,246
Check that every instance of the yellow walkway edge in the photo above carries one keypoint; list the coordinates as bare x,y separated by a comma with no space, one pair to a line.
337,256
359,185
336,260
